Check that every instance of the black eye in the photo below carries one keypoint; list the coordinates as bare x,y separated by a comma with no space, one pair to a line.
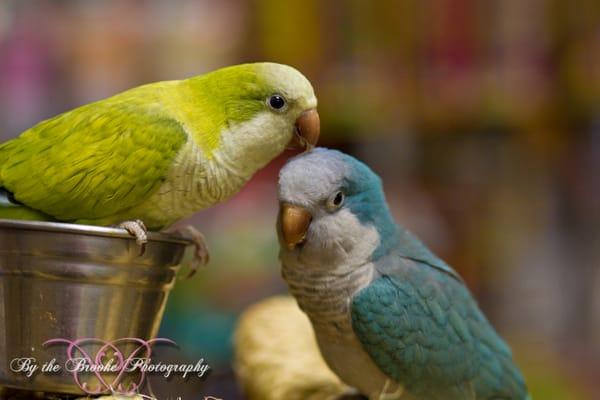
336,201
276,102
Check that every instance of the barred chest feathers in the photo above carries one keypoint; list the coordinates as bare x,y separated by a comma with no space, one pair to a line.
198,180
193,183
325,297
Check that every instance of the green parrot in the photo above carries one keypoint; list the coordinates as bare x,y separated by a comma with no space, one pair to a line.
157,153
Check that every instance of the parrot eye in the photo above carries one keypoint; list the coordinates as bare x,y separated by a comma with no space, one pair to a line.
276,102
336,201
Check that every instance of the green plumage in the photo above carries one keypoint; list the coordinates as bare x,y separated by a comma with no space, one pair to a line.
158,152
104,157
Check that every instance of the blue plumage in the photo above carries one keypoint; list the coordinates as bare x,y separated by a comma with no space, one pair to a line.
378,299
434,340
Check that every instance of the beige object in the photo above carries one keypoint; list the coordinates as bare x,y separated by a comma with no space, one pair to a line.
276,355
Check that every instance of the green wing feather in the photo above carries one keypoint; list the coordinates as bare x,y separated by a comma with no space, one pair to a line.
94,162
422,328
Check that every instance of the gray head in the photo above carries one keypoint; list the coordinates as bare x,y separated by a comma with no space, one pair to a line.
332,210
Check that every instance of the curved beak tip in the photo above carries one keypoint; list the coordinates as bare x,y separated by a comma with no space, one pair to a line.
295,222
308,128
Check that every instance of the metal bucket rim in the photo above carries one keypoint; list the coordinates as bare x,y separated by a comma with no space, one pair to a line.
89,230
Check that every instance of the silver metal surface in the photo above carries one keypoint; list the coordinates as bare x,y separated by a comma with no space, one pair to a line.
74,281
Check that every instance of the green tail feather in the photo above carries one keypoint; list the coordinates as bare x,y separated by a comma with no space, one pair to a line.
10,210
21,212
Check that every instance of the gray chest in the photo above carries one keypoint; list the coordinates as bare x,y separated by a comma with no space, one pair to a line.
325,298
346,357
325,295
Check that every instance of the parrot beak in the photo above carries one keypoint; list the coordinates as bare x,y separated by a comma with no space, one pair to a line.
307,129
294,222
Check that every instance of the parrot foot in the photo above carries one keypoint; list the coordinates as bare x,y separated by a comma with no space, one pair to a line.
138,230
201,255
397,394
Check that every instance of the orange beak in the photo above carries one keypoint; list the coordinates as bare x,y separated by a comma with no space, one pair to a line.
307,129
294,222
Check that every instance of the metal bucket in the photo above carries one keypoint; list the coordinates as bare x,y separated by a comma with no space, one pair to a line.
74,281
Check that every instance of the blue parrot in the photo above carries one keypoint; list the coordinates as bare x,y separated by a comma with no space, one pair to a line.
391,319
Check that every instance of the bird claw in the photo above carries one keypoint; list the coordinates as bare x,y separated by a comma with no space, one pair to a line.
201,255
138,230
395,395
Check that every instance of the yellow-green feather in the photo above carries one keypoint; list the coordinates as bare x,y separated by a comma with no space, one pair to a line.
229,95
99,163
96,160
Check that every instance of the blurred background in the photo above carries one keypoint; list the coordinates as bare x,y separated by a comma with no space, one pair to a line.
483,119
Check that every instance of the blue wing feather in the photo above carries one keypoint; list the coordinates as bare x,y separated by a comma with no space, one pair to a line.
423,329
